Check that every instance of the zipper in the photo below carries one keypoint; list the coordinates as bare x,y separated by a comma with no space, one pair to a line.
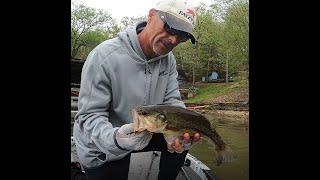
147,72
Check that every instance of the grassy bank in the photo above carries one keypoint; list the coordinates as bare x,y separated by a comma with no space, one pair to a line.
236,91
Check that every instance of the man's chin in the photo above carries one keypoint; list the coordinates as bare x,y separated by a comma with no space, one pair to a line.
160,51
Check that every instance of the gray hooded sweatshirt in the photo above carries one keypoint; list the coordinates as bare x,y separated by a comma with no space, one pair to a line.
116,78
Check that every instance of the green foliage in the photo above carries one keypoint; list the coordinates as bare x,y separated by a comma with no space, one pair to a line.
84,21
212,90
91,39
130,21
209,91
222,35
237,33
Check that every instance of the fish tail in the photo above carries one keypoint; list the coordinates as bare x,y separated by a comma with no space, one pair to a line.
224,154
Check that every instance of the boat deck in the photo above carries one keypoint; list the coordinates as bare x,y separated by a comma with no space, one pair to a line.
145,166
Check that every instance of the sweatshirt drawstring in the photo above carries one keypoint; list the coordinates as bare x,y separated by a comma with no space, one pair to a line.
147,68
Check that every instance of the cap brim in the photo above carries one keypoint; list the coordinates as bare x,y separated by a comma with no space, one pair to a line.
178,24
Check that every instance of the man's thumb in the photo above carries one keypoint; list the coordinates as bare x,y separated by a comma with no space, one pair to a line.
126,129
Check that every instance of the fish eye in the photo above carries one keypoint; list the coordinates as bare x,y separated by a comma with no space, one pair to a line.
161,116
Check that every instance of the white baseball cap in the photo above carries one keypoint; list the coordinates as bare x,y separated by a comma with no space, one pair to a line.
179,15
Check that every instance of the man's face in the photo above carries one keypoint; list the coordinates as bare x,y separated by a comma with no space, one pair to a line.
161,40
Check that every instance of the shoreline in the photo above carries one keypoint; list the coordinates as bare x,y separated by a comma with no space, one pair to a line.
231,106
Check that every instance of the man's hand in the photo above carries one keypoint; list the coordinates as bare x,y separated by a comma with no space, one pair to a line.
126,139
180,145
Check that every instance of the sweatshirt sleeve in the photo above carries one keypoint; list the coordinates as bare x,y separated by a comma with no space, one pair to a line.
172,95
93,104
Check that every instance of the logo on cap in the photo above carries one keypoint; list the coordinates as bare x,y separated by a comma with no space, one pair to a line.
191,12
187,15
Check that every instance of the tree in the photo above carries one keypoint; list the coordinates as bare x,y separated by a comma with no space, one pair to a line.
130,21
237,35
222,34
83,20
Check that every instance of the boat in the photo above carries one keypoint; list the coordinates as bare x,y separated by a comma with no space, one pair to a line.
144,166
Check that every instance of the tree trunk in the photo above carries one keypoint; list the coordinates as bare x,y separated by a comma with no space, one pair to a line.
227,72
194,75
207,78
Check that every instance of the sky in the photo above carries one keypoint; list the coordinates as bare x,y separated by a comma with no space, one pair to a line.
131,8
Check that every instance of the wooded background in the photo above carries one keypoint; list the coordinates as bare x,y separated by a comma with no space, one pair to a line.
222,37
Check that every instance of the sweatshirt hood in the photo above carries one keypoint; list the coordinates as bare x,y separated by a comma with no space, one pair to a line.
130,39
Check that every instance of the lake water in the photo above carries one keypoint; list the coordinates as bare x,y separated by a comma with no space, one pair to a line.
234,131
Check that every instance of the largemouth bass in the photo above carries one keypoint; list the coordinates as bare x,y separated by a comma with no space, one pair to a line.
174,121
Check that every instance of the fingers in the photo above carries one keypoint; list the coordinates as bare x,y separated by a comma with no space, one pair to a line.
126,128
176,146
186,138
196,137
179,146
170,148
187,141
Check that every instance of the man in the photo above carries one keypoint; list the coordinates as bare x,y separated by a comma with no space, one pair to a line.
136,68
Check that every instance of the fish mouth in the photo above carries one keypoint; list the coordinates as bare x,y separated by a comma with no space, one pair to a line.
137,121
141,123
